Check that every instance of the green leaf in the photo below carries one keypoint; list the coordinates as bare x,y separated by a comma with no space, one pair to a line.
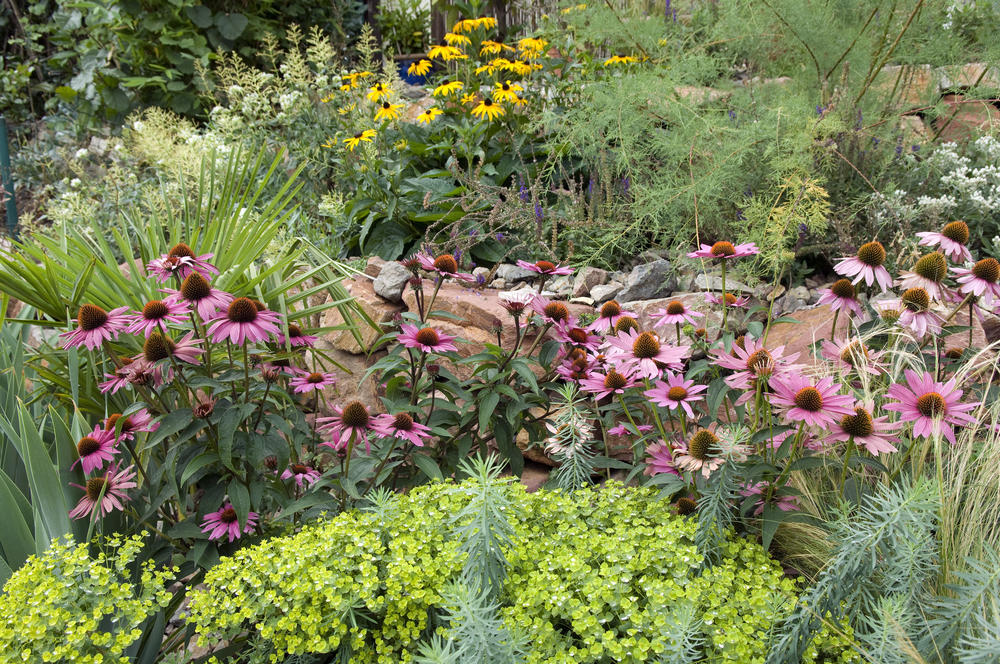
169,425
231,26
200,15
240,497
428,466
486,408
227,428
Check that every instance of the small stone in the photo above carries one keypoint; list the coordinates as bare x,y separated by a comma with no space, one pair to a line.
499,284
561,285
714,282
391,281
513,274
481,273
587,278
604,292
589,301
648,281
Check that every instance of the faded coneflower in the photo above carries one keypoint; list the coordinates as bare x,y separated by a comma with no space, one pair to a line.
952,240
814,402
180,261
868,266
403,426
105,493
784,502
120,378
94,449
242,322
852,354
676,392
225,522
659,460
94,326
916,314
699,453
933,407
196,290
646,352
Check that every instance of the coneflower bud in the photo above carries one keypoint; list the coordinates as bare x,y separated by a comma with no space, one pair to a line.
204,409
686,506
271,462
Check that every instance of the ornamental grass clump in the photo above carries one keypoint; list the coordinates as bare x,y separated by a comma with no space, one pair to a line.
593,576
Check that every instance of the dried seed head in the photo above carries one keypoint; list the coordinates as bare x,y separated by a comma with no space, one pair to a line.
626,324
686,506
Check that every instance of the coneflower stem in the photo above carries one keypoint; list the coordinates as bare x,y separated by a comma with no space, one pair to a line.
246,375
971,305
347,469
678,326
260,410
725,304
656,414
833,328
843,471
621,398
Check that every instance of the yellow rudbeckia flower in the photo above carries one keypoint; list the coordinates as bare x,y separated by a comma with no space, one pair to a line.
419,68
388,111
532,45
466,25
506,91
518,67
490,47
328,98
344,110
378,91
353,141
468,98
486,22
455,39
447,88
619,60
429,114
446,53
489,109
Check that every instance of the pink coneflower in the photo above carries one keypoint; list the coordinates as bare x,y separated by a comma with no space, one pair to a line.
725,250
916,314
157,314
515,302
805,400
952,240
751,361
243,322
545,267
675,392
675,313
137,422
611,382
351,421
785,503
225,522
872,433
94,326
933,407
659,460
94,449
645,352
196,290
980,280
161,347
731,301
552,312
180,261
927,273
625,428
314,381
427,339
699,453
578,337
445,265
302,474
841,296
120,378
576,365
296,337
611,312
105,493
868,266
402,426
852,354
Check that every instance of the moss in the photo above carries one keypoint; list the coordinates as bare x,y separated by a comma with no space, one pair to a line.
592,577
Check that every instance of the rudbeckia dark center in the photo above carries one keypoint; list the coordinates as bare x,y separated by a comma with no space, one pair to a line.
403,422
95,486
506,87
931,404
487,103
626,323
195,287
446,263
91,317
242,310
933,266
859,424
843,288
227,515
677,393
557,311
675,308
987,269
180,250
701,444
614,380
355,415
686,506
916,299
155,310
87,446
646,346
428,337
956,231
386,105
872,254
809,398
610,309
723,249
158,347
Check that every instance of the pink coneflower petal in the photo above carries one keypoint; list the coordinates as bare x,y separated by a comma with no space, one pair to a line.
243,321
297,338
841,297
806,400
578,337
352,422
613,381
645,352
403,426
225,522
785,503
196,290
659,460
725,250
301,473
112,485
981,280
427,339
675,313
730,300
94,449
952,240
445,265
867,266
872,433
180,261
853,355
158,314
545,267
676,392
128,425
311,381
933,407
95,326
609,314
